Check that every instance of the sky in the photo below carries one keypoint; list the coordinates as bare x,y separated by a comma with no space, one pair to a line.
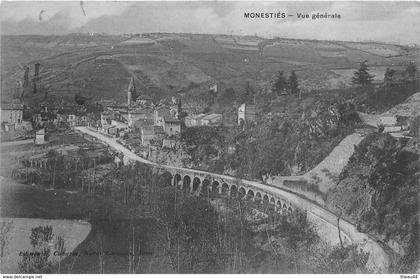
385,21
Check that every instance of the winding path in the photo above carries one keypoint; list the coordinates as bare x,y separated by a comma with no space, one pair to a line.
325,220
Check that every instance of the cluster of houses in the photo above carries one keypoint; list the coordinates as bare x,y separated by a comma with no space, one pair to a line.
71,115
12,124
152,122
155,124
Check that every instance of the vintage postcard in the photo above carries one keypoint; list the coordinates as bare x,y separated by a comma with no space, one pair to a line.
209,137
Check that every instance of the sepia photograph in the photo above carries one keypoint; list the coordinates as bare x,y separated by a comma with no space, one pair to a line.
209,137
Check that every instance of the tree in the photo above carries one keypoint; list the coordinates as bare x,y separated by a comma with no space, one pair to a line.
389,75
6,228
280,84
293,83
227,96
362,76
59,247
80,100
347,259
37,261
411,70
247,95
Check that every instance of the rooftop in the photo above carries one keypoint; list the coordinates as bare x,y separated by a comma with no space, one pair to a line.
40,132
169,119
212,116
151,130
196,116
143,122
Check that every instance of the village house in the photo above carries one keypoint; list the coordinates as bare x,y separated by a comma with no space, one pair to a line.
93,119
106,117
160,113
111,130
40,137
169,143
42,118
72,119
246,113
168,117
139,114
139,123
211,119
120,125
203,120
172,126
83,119
77,119
144,101
194,120
213,87
150,133
114,128
11,113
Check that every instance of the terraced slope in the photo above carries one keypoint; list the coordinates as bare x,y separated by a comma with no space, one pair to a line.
168,63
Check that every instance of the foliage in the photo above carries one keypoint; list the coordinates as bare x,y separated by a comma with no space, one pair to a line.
387,96
362,76
273,146
298,231
293,83
40,236
36,261
199,240
344,260
80,100
389,75
247,95
280,84
202,142
226,97
379,190
411,70
414,127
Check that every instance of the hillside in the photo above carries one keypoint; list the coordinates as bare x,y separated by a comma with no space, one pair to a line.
166,64
379,190
410,107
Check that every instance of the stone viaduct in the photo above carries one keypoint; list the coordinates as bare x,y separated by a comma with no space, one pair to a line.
283,200
197,182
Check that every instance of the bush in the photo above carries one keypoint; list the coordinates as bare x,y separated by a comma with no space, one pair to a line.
36,261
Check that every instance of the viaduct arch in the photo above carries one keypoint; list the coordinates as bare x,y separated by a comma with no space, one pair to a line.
198,183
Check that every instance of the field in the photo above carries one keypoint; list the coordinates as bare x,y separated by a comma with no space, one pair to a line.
166,64
18,238
23,206
377,49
